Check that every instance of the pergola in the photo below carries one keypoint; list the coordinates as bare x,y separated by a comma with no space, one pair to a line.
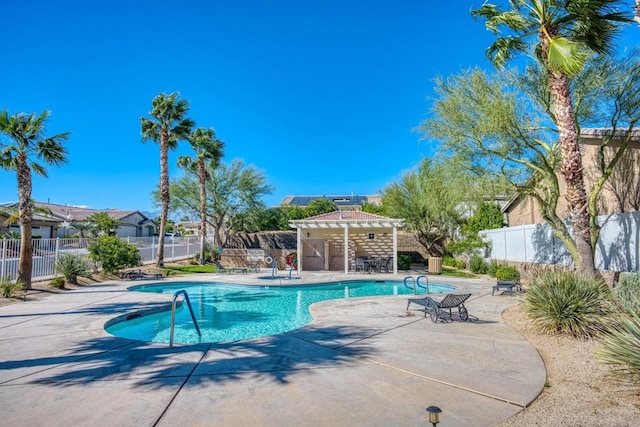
331,240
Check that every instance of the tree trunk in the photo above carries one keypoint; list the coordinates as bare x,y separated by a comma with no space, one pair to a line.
571,167
202,174
572,171
25,263
164,194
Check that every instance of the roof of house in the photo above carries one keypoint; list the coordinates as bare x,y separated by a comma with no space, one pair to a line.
601,133
339,200
75,213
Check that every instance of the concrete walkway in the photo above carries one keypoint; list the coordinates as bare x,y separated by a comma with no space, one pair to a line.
362,362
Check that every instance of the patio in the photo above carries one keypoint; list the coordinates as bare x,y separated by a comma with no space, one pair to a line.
363,361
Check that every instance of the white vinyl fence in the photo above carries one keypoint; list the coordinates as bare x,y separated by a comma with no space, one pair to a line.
617,248
46,252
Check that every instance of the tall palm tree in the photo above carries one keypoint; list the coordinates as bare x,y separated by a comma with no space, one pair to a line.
168,126
208,150
563,34
28,145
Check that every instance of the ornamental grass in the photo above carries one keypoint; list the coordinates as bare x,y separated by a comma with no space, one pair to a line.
561,302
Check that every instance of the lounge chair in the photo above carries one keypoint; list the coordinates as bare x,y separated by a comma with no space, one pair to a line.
506,286
230,270
438,309
140,275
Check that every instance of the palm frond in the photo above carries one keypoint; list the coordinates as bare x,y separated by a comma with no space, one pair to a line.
566,56
504,49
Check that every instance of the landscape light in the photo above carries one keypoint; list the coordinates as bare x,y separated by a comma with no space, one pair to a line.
434,415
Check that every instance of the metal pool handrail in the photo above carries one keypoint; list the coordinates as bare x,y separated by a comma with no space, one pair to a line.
406,285
426,285
173,314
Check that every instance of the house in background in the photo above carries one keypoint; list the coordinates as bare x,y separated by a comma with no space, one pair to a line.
61,219
349,202
620,194
42,226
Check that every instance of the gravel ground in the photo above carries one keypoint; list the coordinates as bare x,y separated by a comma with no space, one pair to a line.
580,391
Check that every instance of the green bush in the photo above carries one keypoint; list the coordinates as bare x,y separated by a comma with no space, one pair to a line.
620,347
460,264
563,302
71,266
404,262
627,292
508,273
493,267
113,253
477,265
9,288
449,261
58,282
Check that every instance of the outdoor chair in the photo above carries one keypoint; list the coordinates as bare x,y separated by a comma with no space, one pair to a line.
230,270
387,265
442,309
506,286
140,275
360,264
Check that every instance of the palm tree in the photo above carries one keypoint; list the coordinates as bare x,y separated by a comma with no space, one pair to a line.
563,35
170,126
28,144
208,149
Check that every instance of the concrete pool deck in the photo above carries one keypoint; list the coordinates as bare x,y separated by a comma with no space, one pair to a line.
361,362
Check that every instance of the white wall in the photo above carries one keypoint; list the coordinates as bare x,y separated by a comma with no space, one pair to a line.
617,248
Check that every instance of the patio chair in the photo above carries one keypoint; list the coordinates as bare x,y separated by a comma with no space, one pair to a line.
386,265
360,264
230,270
506,286
442,309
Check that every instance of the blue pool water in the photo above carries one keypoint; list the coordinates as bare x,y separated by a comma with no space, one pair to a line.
231,312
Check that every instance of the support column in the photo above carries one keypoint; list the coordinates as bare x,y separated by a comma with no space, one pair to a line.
346,248
395,249
299,249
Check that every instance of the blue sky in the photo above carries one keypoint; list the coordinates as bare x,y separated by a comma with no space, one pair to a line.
322,96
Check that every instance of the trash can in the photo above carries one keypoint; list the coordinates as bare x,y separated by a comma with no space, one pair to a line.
435,265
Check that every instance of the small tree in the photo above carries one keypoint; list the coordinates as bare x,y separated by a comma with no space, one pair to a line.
101,224
113,254
320,206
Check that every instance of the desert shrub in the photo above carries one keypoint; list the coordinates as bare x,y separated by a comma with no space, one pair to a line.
627,292
71,266
404,262
460,264
9,288
58,282
508,273
566,303
493,267
449,261
113,253
620,346
477,265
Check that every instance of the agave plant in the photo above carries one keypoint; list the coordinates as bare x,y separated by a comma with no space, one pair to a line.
567,303
620,346
71,266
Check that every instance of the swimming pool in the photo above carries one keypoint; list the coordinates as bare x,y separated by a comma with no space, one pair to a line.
234,312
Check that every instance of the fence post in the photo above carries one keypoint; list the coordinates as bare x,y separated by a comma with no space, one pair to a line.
153,249
524,240
4,257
